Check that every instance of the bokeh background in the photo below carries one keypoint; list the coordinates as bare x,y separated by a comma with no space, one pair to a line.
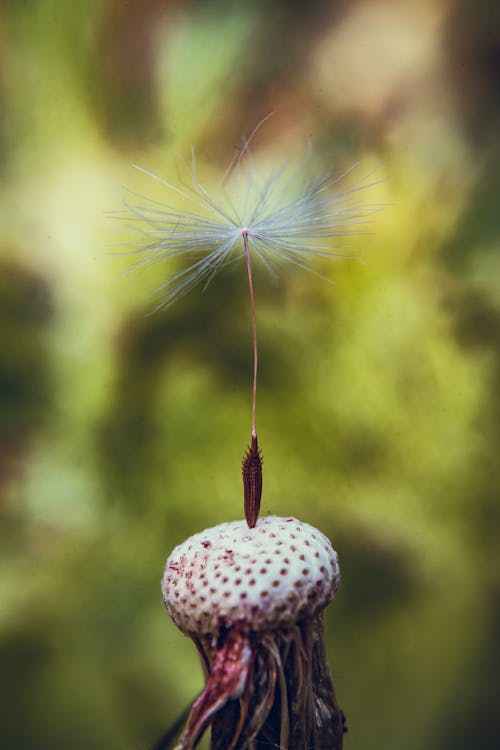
121,432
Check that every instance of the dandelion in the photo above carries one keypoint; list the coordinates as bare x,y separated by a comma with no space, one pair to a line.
251,594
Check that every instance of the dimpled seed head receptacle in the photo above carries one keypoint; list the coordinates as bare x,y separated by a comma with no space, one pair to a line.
252,600
258,579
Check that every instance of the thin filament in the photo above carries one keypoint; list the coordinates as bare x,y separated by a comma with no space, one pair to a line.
244,233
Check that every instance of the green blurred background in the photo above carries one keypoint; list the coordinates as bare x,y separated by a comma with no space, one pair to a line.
122,433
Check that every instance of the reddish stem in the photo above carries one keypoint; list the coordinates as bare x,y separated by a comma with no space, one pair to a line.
244,234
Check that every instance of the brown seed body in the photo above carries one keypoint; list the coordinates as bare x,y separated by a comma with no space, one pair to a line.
251,471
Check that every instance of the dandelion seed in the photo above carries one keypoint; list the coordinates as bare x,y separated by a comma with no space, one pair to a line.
286,218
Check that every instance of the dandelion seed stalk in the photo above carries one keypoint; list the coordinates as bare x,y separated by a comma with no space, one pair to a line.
244,234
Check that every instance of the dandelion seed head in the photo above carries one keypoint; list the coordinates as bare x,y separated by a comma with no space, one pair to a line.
284,567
